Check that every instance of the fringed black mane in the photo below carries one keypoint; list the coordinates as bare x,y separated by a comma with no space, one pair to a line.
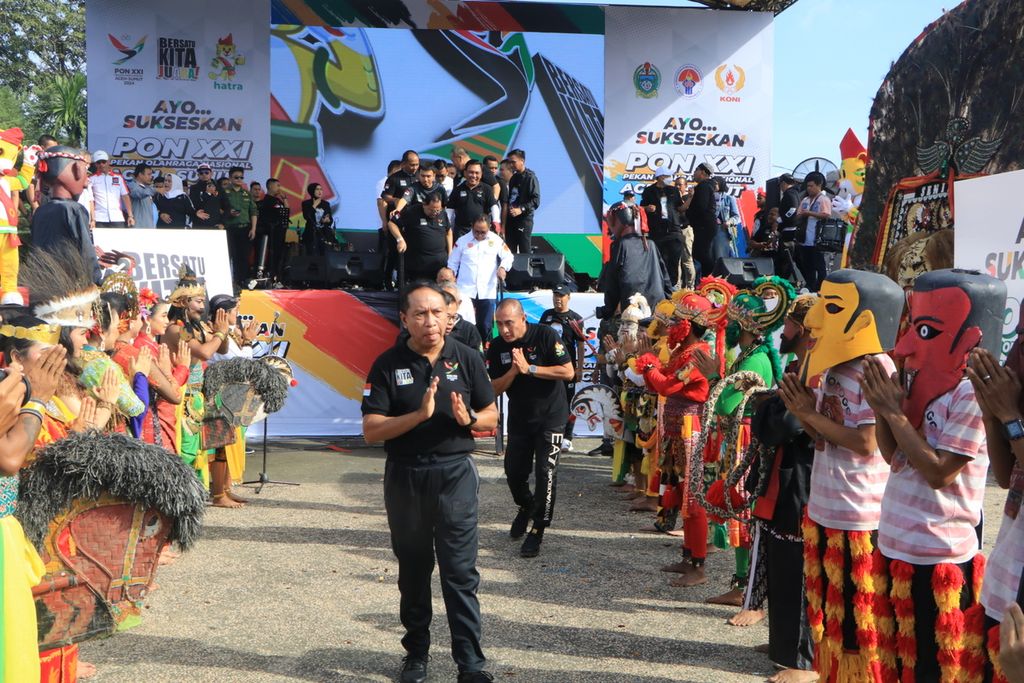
87,464
268,381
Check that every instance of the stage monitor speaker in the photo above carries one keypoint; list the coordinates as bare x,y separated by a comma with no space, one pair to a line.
307,269
535,271
741,272
364,268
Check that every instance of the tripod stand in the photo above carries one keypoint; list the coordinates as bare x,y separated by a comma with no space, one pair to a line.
264,478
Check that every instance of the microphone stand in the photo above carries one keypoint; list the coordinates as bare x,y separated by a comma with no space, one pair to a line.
264,478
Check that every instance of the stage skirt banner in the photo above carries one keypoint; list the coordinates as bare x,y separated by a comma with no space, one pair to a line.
686,86
156,257
178,84
332,338
989,237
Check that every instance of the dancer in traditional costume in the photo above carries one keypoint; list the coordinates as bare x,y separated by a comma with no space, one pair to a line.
754,315
684,390
204,338
781,489
931,432
162,428
998,390
36,346
857,315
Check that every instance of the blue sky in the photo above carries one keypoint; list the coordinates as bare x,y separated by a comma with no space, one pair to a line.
823,87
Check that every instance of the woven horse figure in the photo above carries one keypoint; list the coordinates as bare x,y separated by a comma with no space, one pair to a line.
599,404
242,391
100,507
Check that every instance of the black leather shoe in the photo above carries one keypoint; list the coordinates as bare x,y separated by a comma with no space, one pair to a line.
414,669
475,677
531,546
520,523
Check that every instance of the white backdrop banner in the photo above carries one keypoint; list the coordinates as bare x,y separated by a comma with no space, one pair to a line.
685,86
178,84
159,254
989,236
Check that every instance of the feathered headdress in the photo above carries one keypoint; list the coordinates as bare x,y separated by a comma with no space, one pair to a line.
188,286
60,287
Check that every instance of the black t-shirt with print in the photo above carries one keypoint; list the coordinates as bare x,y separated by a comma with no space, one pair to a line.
569,326
396,384
533,403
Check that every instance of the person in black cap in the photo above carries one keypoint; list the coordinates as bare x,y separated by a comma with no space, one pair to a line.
662,201
701,213
789,221
568,324
422,399
530,363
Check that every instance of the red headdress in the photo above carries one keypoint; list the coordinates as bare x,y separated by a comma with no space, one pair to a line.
719,292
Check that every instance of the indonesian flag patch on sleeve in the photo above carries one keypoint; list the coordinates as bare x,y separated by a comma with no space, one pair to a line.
366,389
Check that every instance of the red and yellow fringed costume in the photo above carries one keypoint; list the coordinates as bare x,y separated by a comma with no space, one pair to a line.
824,571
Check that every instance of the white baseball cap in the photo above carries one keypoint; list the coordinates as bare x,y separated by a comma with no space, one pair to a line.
661,171
100,155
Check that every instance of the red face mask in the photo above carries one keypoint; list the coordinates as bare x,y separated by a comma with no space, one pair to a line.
934,348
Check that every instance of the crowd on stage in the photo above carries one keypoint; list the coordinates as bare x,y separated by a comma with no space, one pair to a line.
162,388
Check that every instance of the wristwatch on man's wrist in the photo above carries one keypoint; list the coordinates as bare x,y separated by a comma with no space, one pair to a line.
1014,429
472,418
533,369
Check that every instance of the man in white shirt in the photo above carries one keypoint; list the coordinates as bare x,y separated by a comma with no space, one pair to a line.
479,259
113,206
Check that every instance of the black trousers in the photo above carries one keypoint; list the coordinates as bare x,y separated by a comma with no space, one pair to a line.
432,507
671,249
517,234
789,634
239,251
277,250
570,394
536,450
811,262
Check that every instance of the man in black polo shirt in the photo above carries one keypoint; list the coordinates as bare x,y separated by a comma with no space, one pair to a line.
568,324
662,201
397,183
421,399
471,199
424,235
415,194
703,217
531,364
523,200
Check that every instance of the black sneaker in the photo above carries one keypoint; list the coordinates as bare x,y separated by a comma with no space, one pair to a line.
475,677
531,546
414,669
519,523
594,452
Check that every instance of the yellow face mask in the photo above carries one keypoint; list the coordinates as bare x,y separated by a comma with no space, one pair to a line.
857,313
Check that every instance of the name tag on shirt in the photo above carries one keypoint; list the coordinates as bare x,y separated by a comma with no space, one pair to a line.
423,221
403,377
462,193
506,358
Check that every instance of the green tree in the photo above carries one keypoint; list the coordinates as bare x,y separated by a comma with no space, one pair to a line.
60,108
42,39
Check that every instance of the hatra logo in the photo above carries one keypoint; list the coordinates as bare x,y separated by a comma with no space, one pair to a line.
123,48
689,81
647,80
224,66
730,79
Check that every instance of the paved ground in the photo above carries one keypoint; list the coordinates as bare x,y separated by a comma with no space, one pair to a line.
300,586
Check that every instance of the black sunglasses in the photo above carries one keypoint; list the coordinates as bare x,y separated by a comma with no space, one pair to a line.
237,177
204,171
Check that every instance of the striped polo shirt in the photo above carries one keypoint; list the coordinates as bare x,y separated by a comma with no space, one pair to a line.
927,526
847,488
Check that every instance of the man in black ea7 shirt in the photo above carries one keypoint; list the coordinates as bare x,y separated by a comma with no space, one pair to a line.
421,399
530,363
523,201
471,199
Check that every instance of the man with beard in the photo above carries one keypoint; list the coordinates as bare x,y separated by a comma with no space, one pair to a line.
931,432
781,496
